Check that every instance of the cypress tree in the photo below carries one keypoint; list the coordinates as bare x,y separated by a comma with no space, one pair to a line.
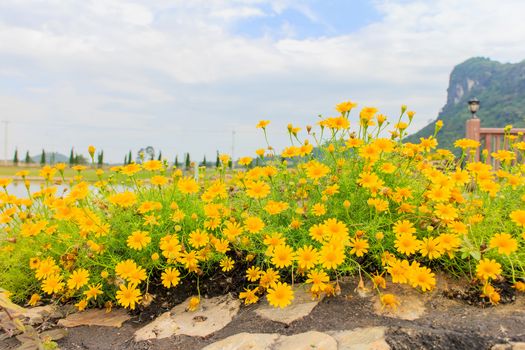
15,158
129,157
100,159
217,161
43,157
188,161
160,155
72,157
176,161
28,158
204,161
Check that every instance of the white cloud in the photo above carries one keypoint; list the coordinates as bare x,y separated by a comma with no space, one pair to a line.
153,72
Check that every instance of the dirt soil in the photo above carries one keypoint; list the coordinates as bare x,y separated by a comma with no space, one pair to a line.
454,319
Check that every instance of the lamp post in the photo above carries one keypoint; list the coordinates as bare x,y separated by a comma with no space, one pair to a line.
473,106
473,126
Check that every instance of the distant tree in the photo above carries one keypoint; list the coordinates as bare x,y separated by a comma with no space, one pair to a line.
28,158
188,161
217,161
176,161
43,158
52,158
80,159
15,158
126,159
129,157
72,157
100,159
204,162
160,155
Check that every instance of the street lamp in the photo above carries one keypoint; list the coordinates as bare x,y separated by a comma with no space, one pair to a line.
473,106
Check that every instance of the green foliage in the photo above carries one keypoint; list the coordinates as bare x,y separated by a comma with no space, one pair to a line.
499,87
15,157
28,158
43,158
188,161
100,159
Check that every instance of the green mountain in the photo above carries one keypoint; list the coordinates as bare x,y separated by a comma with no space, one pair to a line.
499,86
51,157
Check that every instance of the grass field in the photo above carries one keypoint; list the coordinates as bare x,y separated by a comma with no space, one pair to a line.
11,170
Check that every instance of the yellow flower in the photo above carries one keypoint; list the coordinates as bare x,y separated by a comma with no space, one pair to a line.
124,268
316,170
345,107
282,256
199,238
128,296
187,185
257,189
226,264
78,279
318,278
403,227
422,277
274,208
505,243
46,268
406,243
81,305
253,224
280,295
124,199
446,212
519,286
398,270
152,165
170,277
318,209
53,284
518,217
158,180
91,150
130,169
249,296
331,255
35,298
389,301
307,257
138,240
431,247
488,268
253,273
359,246
262,124
194,303
268,278
245,161
490,292
93,291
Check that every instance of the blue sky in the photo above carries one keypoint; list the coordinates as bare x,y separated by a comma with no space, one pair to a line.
182,75
309,20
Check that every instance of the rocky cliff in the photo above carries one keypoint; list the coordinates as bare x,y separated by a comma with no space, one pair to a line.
500,88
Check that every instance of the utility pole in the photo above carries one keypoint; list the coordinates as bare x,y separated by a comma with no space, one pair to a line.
233,146
6,124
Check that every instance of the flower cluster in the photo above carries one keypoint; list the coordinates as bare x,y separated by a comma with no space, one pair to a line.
338,201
